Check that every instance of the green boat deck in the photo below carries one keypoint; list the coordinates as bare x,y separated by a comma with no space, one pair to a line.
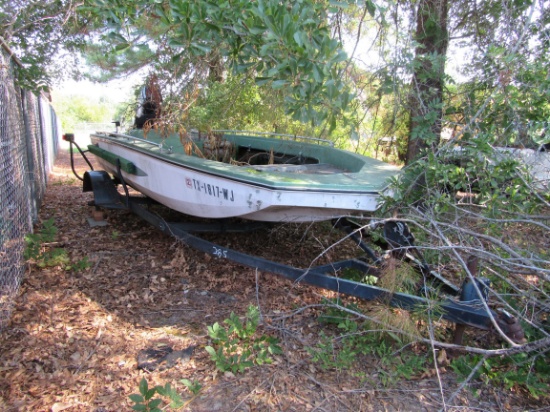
271,162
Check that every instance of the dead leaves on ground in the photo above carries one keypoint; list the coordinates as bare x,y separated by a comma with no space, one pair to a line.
74,337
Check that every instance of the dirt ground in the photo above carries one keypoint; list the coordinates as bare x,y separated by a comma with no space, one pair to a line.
74,336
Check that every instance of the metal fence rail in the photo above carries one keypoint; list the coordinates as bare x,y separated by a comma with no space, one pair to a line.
29,136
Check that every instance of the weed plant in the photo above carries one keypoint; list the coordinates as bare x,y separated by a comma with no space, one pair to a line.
510,372
356,338
39,251
148,401
237,346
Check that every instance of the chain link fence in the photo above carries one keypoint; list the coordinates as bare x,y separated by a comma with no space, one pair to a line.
29,136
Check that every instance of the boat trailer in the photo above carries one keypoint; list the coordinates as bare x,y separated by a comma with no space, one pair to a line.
466,305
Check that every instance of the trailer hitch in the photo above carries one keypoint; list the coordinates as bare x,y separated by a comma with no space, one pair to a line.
69,137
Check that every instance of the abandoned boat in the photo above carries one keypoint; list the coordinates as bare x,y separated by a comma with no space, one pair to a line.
255,176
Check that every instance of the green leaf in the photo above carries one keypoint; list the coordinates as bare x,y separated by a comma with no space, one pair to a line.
175,43
155,403
113,35
340,57
121,47
298,38
257,30
163,391
279,84
243,67
136,398
176,401
211,351
143,387
371,7
150,393
316,74
261,81
200,48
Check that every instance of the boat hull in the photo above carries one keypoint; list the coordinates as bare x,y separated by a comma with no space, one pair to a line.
200,189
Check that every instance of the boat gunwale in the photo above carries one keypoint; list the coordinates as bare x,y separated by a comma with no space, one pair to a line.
114,138
264,135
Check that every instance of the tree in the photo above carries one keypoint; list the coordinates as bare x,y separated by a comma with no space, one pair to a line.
287,46
507,89
426,93
73,109
45,35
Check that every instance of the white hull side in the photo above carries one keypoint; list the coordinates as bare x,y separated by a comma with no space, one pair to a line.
200,194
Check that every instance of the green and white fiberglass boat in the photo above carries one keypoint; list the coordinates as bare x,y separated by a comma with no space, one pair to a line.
256,176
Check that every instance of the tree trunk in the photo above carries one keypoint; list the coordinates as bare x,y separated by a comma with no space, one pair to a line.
426,96
216,68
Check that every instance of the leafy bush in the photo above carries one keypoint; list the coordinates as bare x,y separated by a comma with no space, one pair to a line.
355,339
520,370
237,347
39,251
146,401
34,241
